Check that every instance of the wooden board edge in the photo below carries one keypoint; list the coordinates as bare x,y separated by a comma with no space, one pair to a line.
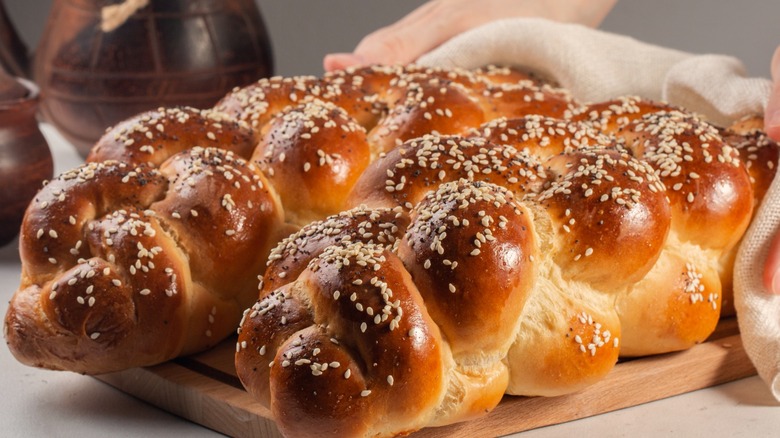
196,397
663,376
194,390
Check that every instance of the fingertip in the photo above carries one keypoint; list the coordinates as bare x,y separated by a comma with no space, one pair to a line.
772,121
772,111
774,133
340,61
771,274
772,283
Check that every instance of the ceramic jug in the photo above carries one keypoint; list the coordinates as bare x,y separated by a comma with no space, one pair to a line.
166,53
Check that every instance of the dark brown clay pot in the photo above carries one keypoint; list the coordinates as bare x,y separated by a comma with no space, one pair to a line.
25,158
171,52
13,52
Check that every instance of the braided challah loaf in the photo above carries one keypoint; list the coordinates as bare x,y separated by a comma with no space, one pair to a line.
457,235
128,265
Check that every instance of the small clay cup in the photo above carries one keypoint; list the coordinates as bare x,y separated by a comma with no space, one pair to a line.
25,158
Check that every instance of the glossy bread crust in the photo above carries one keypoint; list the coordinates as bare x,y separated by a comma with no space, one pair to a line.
452,236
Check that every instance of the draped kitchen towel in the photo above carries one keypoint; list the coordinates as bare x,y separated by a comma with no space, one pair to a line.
596,66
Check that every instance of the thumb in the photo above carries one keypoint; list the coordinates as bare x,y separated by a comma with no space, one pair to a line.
391,45
404,41
771,277
772,113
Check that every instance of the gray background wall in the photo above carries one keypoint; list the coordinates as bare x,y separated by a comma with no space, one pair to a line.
303,31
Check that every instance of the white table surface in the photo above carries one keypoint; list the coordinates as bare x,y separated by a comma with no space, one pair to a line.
40,403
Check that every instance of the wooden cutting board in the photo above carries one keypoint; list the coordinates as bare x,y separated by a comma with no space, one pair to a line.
204,389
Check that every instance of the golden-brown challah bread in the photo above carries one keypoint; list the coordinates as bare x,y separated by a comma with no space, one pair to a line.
497,74
530,155
607,209
127,266
456,101
257,103
422,104
541,136
359,91
760,155
154,136
612,116
406,174
312,154
328,368
376,344
711,199
758,152
475,233
290,257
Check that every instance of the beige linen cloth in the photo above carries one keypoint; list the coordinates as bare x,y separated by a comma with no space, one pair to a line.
597,66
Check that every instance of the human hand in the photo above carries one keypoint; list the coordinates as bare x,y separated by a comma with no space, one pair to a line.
439,20
772,127
772,113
